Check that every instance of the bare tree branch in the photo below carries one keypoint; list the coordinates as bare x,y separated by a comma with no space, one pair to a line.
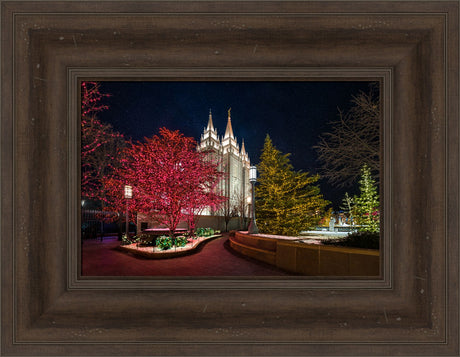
353,141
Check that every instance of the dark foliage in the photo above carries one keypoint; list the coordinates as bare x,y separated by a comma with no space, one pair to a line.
367,240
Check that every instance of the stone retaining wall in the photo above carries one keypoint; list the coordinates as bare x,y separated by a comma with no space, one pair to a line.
308,259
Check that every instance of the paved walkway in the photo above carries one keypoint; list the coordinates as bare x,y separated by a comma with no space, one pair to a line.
213,258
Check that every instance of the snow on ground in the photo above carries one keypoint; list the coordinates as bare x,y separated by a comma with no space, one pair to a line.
275,236
290,238
312,237
324,234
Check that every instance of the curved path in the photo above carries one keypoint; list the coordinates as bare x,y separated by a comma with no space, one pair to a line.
212,259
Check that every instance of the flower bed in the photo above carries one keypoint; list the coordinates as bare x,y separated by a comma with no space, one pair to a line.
158,253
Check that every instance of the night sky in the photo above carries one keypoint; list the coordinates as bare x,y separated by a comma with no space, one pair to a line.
294,114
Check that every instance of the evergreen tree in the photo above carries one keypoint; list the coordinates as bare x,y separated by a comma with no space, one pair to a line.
347,203
287,201
367,204
348,206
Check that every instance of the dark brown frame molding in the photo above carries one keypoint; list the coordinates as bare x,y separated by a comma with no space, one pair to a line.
47,47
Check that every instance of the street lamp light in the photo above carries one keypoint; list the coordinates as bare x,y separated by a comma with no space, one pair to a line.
82,223
248,211
128,195
252,229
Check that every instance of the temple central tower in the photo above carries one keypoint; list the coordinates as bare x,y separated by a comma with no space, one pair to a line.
235,164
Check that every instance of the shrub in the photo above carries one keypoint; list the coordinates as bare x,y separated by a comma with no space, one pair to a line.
144,239
125,240
367,240
164,242
205,232
180,241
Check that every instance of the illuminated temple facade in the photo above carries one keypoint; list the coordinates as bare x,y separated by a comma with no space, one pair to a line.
234,160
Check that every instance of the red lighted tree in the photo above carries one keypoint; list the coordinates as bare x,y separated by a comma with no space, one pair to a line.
101,145
91,99
115,203
101,149
207,196
171,180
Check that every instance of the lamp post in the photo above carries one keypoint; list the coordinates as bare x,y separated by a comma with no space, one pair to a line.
249,201
82,229
252,229
128,195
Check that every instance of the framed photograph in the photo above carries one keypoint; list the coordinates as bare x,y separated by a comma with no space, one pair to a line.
50,306
134,133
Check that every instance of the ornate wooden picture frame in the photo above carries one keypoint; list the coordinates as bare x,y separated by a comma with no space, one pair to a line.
411,47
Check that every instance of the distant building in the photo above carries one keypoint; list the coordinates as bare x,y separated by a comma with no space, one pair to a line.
235,163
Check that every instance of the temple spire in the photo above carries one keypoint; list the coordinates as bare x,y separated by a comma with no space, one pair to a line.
210,124
243,150
229,130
